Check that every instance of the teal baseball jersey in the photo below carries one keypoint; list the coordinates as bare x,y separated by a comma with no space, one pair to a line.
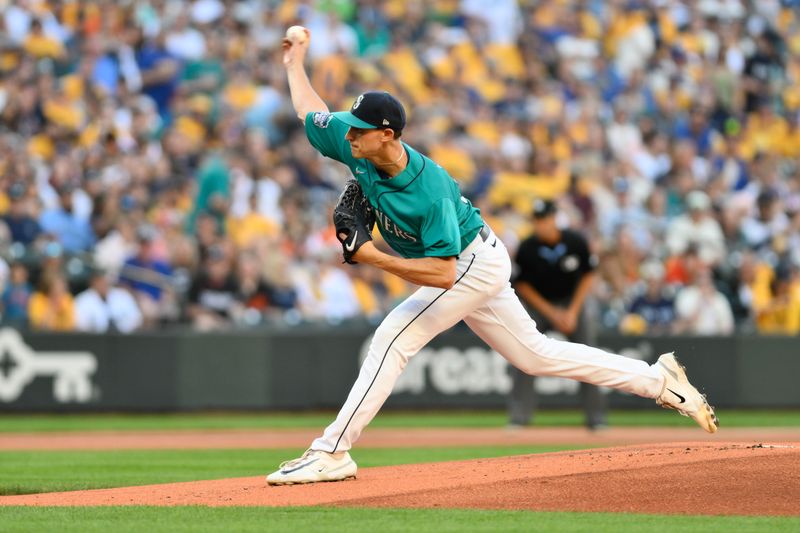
420,212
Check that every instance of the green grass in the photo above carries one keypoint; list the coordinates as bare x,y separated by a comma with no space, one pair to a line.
42,471
389,419
178,519
23,472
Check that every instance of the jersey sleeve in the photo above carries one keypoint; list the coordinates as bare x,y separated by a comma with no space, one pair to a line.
440,234
326,134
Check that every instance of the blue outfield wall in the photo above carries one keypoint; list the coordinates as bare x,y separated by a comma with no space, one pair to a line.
313,368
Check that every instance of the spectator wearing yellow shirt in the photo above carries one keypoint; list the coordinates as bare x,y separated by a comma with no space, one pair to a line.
251,226
408,73
52,308
40,45
766,131
519,186
453,157
331,74
781,314
69,115
791,144
369,292
241,92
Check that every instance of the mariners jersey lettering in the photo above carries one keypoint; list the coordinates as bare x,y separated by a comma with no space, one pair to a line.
420,212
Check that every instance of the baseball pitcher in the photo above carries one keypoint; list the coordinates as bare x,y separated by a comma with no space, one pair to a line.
461,266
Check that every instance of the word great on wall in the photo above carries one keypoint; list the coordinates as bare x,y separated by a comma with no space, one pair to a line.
479,370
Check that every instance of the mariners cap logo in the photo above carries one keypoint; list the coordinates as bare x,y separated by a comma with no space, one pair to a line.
358,101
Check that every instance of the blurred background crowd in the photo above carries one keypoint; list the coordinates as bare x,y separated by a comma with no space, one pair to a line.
154,174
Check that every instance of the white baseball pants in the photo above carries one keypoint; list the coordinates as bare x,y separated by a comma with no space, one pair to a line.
482,296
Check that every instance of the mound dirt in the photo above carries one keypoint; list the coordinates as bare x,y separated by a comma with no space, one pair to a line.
681,478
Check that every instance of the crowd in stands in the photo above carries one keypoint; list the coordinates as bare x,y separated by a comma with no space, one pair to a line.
154,174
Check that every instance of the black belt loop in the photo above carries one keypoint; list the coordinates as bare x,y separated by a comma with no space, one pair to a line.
485,232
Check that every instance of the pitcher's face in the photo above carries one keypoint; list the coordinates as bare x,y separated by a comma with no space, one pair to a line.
367,142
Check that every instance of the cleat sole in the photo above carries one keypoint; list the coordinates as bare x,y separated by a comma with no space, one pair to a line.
308,482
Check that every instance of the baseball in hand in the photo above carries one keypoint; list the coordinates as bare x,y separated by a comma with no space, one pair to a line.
296,34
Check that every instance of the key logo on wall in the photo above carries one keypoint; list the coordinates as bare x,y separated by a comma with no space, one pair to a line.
20,365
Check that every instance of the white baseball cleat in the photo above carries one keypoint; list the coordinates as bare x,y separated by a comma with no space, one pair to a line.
314,466
680,395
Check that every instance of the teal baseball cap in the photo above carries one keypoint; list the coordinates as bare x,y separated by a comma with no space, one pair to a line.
375,109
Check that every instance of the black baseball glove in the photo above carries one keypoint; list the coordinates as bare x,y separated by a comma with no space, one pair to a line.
354,219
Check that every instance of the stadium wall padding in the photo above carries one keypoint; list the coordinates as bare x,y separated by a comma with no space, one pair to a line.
314,367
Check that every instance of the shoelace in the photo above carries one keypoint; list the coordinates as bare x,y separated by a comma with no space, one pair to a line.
669,405
297,461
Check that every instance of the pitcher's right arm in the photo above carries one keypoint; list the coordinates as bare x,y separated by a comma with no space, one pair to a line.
304,98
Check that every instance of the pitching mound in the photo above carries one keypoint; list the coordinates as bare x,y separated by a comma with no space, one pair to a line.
691,478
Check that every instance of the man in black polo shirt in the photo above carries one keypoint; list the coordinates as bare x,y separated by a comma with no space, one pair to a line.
555,272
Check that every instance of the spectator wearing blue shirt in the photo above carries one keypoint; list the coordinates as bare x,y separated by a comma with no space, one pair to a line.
730,166
74,233
16,295
149,278
160,73
105,69
656,305
22,227
144,273
696,127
